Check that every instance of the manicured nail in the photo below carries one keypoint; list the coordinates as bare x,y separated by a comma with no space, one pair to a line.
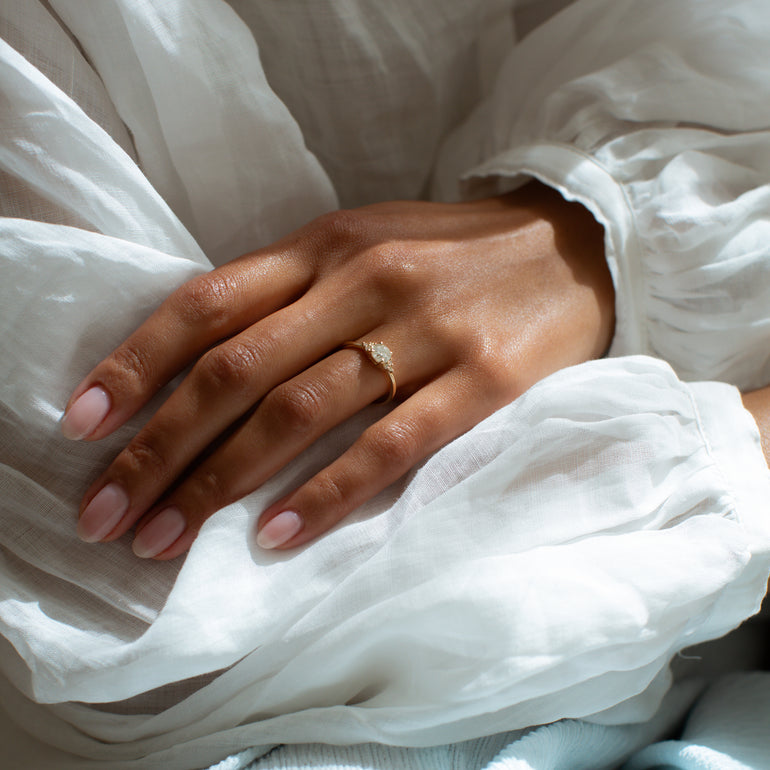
279,530
85,415
160,533
103,513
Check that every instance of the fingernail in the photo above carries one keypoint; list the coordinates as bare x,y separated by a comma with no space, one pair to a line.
84,416
160,533
103,513
279,530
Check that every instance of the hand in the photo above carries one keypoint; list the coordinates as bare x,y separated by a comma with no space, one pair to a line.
476,300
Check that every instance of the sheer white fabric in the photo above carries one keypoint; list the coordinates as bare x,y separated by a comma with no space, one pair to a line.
656,116
546,564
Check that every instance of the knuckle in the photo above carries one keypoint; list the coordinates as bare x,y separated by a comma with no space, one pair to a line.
489,364
230,366
490,373
207,487
393,269
206,299
130,366
394,445
296,408
339,229
143,456
327,493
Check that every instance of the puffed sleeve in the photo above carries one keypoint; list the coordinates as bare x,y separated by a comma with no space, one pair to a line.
656,116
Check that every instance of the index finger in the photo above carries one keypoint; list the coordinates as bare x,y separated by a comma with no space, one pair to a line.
202,311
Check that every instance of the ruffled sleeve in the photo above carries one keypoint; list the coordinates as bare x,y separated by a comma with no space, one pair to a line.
656,117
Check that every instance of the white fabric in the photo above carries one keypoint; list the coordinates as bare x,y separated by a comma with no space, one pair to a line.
545,565
655,115
726,729
564,745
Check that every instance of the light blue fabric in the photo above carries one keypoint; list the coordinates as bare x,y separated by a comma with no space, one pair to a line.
729,729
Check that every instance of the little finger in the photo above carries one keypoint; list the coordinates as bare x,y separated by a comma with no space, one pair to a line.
430,418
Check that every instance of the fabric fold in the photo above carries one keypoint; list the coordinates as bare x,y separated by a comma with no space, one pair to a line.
667,146
210,134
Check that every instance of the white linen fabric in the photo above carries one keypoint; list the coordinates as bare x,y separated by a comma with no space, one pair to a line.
545,565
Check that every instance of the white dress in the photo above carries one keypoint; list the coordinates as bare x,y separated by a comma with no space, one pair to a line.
548,563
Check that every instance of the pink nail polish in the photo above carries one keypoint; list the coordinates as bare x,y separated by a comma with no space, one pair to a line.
85,415
279,530
164,530
103,513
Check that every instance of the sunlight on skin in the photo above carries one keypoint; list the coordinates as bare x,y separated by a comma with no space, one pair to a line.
758,403
477,300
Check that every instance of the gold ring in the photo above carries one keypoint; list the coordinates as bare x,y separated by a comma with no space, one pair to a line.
379,354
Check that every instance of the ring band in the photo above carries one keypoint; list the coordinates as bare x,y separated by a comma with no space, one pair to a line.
379,354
